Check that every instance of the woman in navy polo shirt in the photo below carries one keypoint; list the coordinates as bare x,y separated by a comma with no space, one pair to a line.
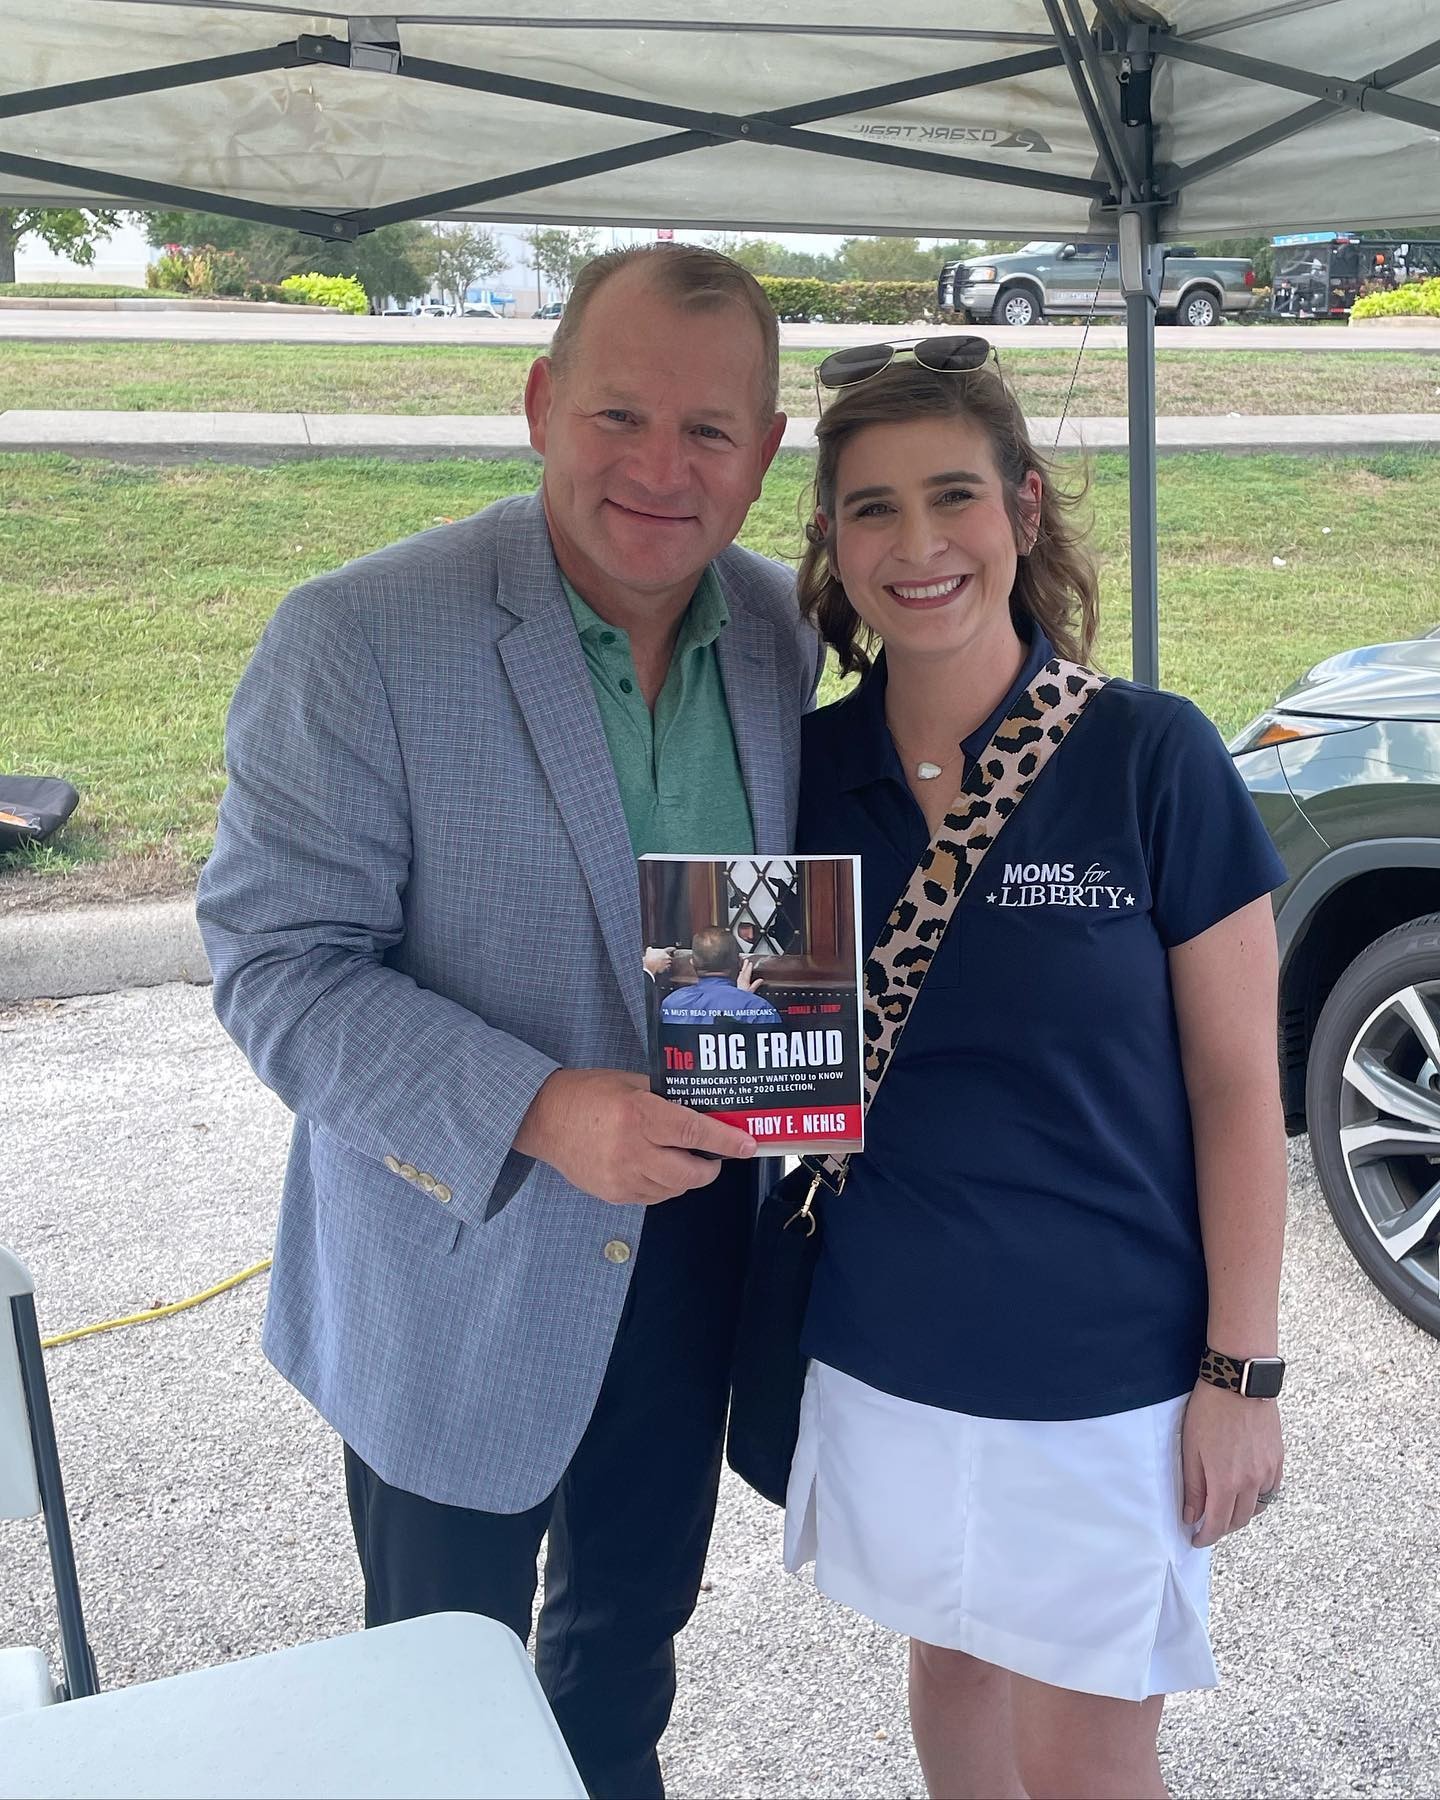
1072,1192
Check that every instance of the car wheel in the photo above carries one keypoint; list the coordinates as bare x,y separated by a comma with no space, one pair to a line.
1372,1098
1016,306
1199,308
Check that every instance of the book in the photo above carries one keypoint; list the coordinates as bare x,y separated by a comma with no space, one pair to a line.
753,995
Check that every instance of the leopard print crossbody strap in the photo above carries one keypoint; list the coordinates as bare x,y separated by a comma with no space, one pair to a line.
895,970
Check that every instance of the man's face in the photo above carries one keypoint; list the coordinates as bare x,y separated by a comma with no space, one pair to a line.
653,442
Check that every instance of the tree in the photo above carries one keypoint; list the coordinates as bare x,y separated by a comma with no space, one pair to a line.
559,253
940,254
886,259
461,255
67,230
764,256
1258,250
395,260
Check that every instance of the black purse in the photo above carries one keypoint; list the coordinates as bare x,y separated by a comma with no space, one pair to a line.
768,1377
767,1380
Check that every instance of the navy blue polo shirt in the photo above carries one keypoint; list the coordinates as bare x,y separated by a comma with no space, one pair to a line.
1021,1237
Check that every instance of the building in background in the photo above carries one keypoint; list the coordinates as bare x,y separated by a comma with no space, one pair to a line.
120,260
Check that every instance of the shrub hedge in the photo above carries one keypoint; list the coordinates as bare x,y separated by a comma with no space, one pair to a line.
851,302
1413,300
343,292
207,270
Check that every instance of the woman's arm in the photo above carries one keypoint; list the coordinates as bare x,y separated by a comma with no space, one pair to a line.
1225,982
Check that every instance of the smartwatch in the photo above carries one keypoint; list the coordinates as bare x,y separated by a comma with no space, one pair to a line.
1256,1377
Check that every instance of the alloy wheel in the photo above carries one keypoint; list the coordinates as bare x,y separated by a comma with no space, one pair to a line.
1389,1128
1200,310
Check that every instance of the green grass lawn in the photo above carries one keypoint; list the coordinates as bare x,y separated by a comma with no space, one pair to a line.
459,378
130,598
74,290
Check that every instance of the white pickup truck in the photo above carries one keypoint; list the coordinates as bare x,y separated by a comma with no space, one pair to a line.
1020,288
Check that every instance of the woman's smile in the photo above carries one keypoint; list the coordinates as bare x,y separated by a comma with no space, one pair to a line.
933,593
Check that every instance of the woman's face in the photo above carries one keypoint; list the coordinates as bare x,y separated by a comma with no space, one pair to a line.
923,542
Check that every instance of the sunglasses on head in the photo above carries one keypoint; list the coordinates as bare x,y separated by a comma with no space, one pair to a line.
942,355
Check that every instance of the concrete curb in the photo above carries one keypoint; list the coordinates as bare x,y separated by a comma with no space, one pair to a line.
99,950
166,437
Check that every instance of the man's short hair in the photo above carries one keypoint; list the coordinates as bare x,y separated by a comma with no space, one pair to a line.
694,278
715,951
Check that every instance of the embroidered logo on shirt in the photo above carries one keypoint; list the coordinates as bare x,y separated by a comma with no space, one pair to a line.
1057,884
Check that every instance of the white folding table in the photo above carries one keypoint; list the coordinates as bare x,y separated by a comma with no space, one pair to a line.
446,1705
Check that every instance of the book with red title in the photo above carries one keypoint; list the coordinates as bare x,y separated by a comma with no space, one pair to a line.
753,994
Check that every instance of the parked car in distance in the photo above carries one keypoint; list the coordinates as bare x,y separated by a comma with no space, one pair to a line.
474,309
433,309
552,311
1345,770
1040,278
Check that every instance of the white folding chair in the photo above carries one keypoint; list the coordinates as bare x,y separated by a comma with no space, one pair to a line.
442,1706
30,1486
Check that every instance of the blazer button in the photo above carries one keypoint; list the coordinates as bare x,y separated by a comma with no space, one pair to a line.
442,1193
409,1171
426,1181
617,1251
392,1163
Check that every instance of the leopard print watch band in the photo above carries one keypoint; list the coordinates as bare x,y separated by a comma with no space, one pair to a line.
1220,1370
1266,1373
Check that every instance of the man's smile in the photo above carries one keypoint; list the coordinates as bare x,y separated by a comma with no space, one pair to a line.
652,518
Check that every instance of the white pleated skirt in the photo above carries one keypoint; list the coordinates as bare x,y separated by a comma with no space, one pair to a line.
1054,1549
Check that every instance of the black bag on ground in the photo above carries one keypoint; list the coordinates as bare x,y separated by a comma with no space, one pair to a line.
768,1377
33,808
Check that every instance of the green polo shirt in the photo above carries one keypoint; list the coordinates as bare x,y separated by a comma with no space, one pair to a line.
678,769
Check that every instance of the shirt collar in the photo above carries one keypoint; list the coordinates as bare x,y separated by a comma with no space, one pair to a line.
865,751
705,618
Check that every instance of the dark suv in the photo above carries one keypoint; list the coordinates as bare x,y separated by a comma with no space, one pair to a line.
1345,769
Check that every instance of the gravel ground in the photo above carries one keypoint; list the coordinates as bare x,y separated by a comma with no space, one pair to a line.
144,1163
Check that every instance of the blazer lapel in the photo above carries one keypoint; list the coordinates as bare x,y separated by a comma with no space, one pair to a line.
548,673
746,651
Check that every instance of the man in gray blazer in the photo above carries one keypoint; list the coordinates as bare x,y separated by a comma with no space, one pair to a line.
506,1273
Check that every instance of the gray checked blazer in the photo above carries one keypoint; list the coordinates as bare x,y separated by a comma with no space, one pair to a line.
422,867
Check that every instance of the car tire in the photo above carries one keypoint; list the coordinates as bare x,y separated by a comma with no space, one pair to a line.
1199,308
1015,306
1366,1034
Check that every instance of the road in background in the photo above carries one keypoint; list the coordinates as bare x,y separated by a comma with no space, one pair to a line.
144,1161
341,328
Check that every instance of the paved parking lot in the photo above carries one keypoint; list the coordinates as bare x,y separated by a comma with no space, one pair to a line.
144,1163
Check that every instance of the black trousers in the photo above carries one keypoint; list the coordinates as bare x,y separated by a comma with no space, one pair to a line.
629,1523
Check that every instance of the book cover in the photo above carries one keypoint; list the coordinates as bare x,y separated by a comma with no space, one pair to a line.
753,995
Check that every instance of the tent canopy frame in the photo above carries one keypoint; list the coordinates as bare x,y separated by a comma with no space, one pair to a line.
1109,62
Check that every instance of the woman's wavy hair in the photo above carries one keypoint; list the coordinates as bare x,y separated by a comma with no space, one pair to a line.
1055,582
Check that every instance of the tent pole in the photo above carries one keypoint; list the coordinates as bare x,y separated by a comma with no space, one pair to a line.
1140,267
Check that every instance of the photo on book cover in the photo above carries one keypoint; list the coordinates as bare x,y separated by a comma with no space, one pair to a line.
753,997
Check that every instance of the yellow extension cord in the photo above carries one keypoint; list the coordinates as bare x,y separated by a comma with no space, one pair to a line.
156,1312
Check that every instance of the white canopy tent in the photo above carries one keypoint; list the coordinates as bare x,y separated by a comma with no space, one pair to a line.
999,118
